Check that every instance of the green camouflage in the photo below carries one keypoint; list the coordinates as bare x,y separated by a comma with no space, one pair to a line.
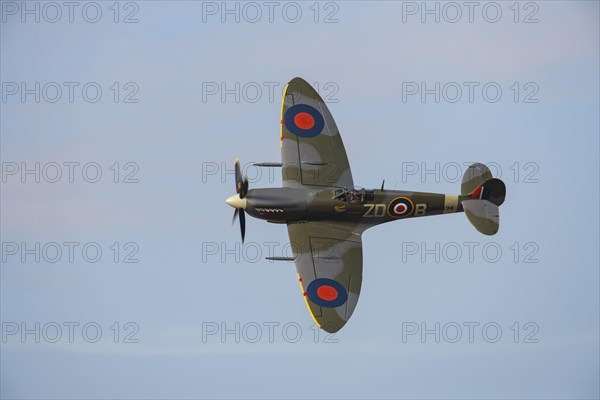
326,215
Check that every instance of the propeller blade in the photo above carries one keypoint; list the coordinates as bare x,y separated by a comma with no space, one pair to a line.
235,214
243,224
238,177
244,188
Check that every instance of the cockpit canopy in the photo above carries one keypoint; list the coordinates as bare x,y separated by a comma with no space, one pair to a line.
355,195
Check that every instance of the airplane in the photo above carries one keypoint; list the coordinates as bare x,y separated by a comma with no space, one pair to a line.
326,213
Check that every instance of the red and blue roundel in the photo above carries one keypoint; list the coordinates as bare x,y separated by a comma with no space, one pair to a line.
400,207
326,293
304,121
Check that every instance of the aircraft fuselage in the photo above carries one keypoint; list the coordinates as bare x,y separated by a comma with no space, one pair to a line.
368,206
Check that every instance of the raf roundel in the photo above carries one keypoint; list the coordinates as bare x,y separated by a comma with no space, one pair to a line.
304,121
400,207
326,292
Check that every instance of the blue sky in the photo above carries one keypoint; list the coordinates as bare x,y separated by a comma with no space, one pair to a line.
192,274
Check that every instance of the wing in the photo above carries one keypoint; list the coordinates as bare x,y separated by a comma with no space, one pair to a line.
328,258
312,152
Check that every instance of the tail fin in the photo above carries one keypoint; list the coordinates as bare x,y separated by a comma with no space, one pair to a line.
481,196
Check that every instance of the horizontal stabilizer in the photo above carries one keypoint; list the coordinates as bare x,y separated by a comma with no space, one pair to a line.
481,196
483,215
280,258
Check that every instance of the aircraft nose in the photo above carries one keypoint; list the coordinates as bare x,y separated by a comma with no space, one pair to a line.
235,201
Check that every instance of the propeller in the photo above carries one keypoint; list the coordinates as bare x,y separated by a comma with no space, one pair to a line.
238,201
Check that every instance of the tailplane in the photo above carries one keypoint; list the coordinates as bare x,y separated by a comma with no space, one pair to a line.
481,196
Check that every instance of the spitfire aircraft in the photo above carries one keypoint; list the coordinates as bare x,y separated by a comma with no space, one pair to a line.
326,214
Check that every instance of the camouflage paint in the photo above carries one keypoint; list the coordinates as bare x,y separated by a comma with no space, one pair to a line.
326,216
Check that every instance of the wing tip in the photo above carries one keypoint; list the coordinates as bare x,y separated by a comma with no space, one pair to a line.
297,79
330,326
